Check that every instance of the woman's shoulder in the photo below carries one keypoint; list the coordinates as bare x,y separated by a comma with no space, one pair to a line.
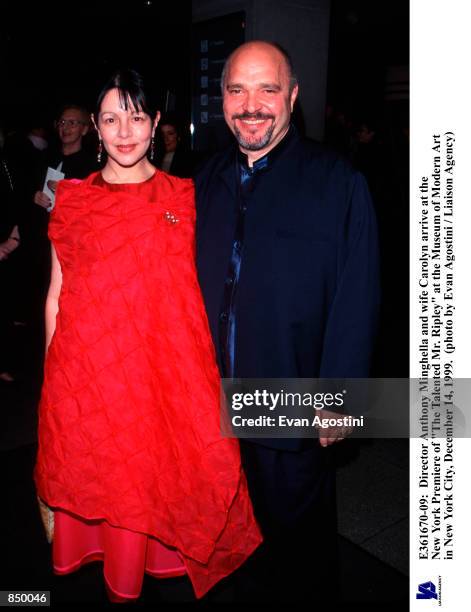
70,194
174,187
74,183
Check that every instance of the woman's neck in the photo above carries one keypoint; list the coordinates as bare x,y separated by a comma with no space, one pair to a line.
114,173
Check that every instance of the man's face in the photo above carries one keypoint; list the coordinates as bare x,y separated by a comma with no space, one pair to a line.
72,126
256,99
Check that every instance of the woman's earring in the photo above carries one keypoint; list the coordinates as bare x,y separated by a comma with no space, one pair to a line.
152,148
99,152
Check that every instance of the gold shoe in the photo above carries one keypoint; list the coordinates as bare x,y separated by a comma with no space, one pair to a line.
47,517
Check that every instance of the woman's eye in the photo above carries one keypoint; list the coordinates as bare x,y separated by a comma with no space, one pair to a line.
139,118
109,120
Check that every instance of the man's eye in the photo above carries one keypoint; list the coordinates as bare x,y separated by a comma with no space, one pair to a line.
270,91
235,91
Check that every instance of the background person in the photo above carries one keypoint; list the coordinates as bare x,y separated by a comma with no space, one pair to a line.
69,156
172,154
9,243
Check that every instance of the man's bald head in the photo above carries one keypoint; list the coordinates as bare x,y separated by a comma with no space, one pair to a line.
270,47
258,90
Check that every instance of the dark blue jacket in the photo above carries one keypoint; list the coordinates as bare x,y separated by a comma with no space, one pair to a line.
307,300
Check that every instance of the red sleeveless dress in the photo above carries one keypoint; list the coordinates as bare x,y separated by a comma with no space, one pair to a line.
130,452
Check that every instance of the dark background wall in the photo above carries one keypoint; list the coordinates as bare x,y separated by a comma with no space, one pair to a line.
302,27
350,54
52,53
368,53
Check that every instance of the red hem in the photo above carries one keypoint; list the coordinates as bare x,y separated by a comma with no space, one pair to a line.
114,595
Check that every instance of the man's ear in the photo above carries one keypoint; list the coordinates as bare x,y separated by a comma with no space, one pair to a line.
294,95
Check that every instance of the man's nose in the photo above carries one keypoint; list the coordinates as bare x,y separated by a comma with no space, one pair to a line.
252,103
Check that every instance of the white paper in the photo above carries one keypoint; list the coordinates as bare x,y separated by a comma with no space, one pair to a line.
52,175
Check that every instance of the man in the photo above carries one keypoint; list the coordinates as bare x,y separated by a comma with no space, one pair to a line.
288,266
71,159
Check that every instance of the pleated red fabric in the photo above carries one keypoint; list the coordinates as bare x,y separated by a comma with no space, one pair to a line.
129,418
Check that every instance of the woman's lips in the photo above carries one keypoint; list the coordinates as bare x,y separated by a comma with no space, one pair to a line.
126,148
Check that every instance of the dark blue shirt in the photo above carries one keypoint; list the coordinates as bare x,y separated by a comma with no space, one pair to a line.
248,177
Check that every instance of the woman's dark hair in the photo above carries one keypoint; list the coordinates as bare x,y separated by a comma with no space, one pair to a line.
132,92
171,119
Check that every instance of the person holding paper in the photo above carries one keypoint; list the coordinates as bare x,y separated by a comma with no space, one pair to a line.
131,466
70,160
67,159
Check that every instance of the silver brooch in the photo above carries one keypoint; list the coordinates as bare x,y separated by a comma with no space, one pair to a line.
170,218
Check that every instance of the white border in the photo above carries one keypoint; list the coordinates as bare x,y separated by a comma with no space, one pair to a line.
441,101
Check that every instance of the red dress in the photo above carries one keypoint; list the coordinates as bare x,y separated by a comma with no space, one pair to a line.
130,452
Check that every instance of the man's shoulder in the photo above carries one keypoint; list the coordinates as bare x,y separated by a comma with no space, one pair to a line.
213,163
302,153
323,158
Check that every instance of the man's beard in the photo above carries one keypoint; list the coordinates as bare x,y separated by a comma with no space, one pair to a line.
262,141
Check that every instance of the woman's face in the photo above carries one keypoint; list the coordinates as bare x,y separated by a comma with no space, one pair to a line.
170,137
126,134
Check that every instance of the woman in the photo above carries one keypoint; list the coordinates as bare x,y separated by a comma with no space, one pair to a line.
172,155
131,460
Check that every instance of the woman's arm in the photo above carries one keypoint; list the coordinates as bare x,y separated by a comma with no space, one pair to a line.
52,308
52,301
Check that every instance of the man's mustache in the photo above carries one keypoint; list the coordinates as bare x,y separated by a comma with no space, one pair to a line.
253,116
